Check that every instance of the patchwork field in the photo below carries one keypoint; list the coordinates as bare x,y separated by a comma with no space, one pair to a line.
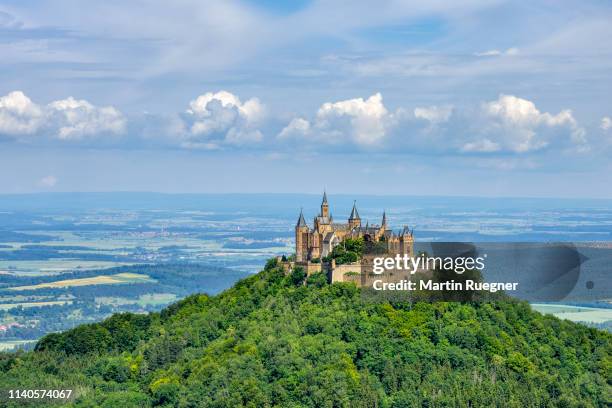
154,299
8,306
120,278
53,266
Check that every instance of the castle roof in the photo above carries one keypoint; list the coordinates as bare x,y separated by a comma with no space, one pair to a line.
354,213
340,227
323,220
370,229
324,197
328,237
301,221
406,231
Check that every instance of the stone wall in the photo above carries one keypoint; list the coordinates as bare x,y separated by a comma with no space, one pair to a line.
346,273
309,267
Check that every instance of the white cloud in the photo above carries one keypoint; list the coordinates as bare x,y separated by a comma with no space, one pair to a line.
481,146
215,120
515,124
19,115
223,114
606,123
364,122
66,119
297,127
507,124
48,181
78,118
434,114
495,52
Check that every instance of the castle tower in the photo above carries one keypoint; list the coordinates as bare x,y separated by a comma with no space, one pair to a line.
301,239
384,220
324,206
406,242
354,220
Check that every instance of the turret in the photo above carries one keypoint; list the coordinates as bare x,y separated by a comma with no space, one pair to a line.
384,219
301,238
324,205
301,221
406,242
354,220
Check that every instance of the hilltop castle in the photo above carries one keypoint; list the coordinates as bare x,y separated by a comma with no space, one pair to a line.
313,246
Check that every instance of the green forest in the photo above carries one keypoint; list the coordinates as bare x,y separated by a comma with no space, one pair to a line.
291,341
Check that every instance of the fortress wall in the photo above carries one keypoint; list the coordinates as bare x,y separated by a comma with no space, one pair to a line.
311,268
338,274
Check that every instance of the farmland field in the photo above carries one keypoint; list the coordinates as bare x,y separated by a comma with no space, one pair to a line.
96,280
7,306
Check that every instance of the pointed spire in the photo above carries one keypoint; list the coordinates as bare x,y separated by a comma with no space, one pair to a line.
384,220
301,221
324,197
354,213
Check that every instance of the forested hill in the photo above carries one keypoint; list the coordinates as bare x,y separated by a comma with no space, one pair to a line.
271,341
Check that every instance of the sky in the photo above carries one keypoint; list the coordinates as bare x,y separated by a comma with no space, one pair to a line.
483,98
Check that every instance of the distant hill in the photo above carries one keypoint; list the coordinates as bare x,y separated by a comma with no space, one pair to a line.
271,341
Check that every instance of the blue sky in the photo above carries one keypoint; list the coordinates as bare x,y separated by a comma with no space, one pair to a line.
487,98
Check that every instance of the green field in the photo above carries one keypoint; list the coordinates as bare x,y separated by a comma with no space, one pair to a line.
53,266
143,300
8,306
118,278
11,344
122,246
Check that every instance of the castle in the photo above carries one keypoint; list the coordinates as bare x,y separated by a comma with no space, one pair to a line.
314,246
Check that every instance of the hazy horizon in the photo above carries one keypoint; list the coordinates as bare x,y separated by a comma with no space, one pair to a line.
296,193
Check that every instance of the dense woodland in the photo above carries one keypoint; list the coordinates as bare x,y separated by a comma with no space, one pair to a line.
287,341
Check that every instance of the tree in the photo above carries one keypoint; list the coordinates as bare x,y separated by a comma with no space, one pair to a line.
318,280
297,276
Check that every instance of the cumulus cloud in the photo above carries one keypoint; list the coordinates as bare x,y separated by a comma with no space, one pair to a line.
297,127
215,120
19,115
515,124
606,128
66,119
434,114
364,122
508,124
48,181
78,118
221,117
